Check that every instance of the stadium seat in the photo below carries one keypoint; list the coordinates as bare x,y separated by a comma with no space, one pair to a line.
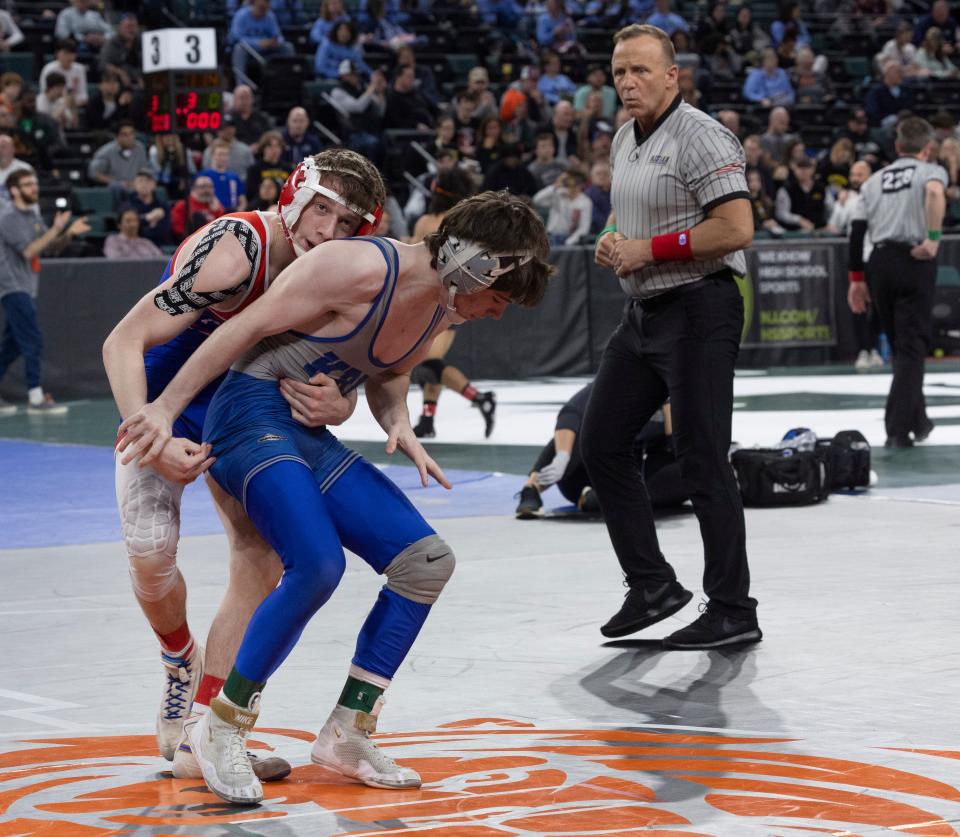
98,199
18,62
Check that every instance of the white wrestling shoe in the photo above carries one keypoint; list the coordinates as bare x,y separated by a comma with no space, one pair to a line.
180,686
344,745
219,742
185,765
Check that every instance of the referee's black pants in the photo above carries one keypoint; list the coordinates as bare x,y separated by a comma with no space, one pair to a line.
684,344
902,290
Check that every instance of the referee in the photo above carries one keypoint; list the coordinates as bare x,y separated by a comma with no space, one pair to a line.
681,217
903,204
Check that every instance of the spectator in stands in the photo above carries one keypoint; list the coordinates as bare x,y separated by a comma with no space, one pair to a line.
570,211
65,63
58,104
847,198
777,136
39,137
9,163
267,164
10,34
518,127
857,130
288,12
746,36
116,164
111,103
768,85
446,159
687,86
84,25
127,243
556,30
932,56
596,80
755,161
407,108
762,205
684,54
268,193
385,33
944,125
426,82
121,54
445,138
394,9
510,173
152,209
730,119
489,143
553,84
665,19
198,208
601,139
172,164
538,108
249,122
299,142
833,169
362,110
900,49
478,83
340,45
11,86
887,98
503,15
255,30
724,63
447,189
802,202
241,157
599,194
949,158
227,184
465,122
712,29
811,86
940,17
589,119
564,136
331,12
545,167
789,25
23,237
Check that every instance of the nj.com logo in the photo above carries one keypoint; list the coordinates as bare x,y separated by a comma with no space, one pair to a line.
487,777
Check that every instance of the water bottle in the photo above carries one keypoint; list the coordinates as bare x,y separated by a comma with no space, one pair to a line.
884,347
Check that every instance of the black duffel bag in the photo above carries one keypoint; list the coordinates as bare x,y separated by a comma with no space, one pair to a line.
781,476
849,456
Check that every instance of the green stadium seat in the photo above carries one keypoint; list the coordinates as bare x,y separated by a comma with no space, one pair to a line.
19,62
98,199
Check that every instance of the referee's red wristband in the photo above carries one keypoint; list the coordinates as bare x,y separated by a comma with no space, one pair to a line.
856,276
672,247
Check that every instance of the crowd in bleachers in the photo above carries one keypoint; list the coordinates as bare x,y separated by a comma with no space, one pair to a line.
511,94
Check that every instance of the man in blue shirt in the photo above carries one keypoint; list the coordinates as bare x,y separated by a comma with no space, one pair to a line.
553,84
770,85
255,28
666,20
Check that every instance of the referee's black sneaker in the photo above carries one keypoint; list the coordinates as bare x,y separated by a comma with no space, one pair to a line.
898,442
714,630
643,607
924,432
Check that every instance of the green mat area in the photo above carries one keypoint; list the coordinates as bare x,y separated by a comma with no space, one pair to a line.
95,422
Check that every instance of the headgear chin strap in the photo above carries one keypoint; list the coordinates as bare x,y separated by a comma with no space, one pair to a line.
466,267
301,187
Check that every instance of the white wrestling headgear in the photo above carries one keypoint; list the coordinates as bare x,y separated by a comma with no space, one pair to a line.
466,267
301,187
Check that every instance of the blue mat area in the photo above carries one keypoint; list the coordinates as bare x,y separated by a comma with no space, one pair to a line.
56,495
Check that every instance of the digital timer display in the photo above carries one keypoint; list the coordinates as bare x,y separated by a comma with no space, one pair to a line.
183,101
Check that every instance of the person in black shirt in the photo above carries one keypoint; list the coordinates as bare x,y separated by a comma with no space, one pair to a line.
407,107
510,173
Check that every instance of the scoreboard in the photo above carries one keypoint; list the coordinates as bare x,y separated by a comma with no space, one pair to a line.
183,100
184,88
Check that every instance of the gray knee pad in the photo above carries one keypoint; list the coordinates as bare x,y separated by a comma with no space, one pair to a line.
150,514
420,572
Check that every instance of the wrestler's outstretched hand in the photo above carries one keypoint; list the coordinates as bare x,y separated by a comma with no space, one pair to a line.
401,436
144,434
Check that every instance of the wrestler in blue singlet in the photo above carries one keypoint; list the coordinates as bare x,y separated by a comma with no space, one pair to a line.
309,495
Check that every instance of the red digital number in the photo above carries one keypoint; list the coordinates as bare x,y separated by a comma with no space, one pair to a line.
191,121
192,100
204,121
215,120
160,123
154,104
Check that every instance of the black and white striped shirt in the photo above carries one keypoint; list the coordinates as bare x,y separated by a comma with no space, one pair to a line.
667,181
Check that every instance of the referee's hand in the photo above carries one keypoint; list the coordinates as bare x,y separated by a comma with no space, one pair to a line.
604,251
858,297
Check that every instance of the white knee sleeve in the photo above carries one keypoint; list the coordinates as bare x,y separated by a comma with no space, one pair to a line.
150,515
421,571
